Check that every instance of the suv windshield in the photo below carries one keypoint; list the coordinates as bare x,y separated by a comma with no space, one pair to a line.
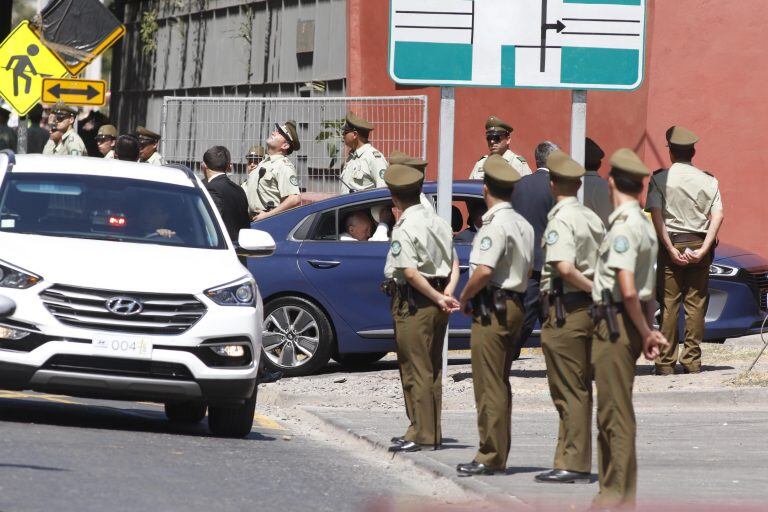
106,208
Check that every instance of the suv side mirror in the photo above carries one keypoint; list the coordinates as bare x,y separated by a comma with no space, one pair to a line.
7,307
253,243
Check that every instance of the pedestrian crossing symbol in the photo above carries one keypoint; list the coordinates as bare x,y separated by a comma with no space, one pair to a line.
24,62
561,44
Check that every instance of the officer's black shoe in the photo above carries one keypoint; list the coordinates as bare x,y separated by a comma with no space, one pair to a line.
474,468
562,476
397,440
405,446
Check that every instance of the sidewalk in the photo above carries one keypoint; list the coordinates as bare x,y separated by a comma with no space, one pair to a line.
687,456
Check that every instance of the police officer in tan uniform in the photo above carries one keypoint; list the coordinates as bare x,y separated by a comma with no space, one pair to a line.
570,242
501,261
687,212
64,139
622,291
274,186
422,271
497,134
105,140
148,141
365,165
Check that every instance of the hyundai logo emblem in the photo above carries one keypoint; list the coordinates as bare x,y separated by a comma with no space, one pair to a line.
124,306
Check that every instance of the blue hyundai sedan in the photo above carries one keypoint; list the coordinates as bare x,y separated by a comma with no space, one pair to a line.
322,298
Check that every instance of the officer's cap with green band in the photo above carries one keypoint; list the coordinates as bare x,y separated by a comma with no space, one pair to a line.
63,109
398,157
563,166
354,123
403,178
499,173
679,136
626,162
496,125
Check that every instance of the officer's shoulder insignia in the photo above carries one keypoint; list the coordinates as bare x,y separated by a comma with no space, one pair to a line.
75,152
294,180
621,244
381,173
377,154
552,237
486,243
396,248
522,159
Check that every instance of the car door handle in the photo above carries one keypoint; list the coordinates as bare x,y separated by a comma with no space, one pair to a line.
323,264
463,269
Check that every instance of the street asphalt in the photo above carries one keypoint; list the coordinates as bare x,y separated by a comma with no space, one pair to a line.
62,453
685,456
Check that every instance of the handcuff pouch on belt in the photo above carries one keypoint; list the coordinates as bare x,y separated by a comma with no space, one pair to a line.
490,298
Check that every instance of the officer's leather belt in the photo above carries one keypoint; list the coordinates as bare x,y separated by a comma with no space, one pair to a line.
406,292
576,300
683,238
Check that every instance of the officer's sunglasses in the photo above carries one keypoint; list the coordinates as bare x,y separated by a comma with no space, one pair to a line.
61,117
494,138
101,139
145,142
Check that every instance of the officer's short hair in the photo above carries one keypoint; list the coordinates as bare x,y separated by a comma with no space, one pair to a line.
625,184
543,151
127,148
682,153
499,192
217,158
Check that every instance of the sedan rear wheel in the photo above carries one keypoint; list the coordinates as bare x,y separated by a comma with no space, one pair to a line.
297,336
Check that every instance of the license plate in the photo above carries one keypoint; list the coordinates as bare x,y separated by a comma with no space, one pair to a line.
136,348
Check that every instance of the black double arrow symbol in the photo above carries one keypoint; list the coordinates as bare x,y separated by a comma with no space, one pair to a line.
89,92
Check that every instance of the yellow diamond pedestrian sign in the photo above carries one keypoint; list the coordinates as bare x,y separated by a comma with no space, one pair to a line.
24,62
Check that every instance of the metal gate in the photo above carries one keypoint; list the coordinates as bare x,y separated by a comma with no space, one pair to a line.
190,125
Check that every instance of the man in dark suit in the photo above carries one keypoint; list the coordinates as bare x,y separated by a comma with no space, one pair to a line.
230,199
532,199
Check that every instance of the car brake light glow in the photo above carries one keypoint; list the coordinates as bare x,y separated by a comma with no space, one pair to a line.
117,221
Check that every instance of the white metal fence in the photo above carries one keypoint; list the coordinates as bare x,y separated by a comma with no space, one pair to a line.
190,125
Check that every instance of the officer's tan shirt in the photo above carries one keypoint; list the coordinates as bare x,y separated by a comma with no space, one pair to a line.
422,241
516,161
629,245
505,244
686,196
278,181
573,234
110,155
364,169
70,144
596,196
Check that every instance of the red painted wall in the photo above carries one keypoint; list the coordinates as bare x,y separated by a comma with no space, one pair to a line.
705,69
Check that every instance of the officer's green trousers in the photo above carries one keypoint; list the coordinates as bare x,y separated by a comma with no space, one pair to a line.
493,345
567,352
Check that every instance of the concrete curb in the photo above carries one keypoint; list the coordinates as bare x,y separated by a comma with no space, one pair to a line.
434,467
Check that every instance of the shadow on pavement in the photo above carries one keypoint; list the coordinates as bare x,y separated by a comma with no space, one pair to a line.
17,410
30,466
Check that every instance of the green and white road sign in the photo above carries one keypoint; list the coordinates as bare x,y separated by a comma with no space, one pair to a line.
561,44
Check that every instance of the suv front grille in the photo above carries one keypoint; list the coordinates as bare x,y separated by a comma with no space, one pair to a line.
85,307
758,281
118,367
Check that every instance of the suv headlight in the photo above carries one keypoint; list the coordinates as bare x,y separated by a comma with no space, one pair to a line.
240,293
722,270
14,277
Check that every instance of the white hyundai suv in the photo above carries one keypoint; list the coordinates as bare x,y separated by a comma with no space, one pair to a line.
126,286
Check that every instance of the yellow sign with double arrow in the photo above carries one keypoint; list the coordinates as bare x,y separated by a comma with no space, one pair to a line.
24,63
73,91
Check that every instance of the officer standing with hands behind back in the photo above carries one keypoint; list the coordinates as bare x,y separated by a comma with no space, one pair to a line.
623,315
687,212
571,240
501,261
424,272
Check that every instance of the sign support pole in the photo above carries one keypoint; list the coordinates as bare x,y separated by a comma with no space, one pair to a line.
445,175
579,130
21,136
